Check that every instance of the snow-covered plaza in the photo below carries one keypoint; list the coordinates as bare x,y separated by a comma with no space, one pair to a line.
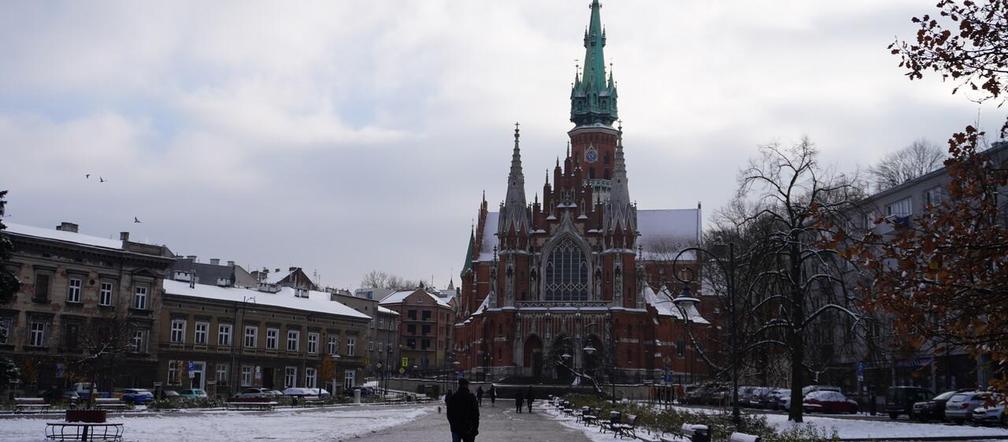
218,425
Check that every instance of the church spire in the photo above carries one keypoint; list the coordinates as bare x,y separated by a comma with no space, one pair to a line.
619,212
593,99
514,212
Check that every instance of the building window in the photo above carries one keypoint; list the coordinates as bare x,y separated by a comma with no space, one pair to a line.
901,208
222,374
370,345
425,315
41,287
933,196
173,372
333,345
292,340
290,377
73,290
251,333
425,344
680,349
272,338
178,331
411,343
105,294
349,379
313,341
224,335
140,298
426,329
411,314
246,379
566,273
138,343
309,377
351,342
411,329
5,329
202,331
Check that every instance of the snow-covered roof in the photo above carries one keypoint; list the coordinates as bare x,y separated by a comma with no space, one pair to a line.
62,235
664,232
399,296
489,239
316,302
483,305
662,302
387,311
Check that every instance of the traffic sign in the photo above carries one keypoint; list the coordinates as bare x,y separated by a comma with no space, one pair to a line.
402,370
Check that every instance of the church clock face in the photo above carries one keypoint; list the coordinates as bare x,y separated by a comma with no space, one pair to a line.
591,155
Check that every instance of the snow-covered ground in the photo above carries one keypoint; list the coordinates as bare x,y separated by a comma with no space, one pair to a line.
289,424
845,428
857,428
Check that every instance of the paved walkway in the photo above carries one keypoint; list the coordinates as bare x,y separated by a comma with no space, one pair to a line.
500,423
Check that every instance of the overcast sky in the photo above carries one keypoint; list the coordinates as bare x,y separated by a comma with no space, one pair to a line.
345,136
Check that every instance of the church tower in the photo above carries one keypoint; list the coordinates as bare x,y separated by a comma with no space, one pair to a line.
593,110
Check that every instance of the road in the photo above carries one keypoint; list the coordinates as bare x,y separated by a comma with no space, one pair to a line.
500,423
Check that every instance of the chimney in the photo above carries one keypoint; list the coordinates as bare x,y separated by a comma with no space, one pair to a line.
67,227
191,258
292,269
231,263
215,261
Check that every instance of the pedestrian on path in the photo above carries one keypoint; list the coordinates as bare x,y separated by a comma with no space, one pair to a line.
528,398
463,414
479,395
493,395
519,400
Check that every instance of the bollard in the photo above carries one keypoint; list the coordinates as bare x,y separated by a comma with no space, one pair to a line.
742,437
356,395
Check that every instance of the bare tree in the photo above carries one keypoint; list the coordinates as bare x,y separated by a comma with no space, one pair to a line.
105,343
801,287
383,280
910,162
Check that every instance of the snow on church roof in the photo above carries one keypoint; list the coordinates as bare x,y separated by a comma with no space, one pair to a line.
659,230
662,302
663,232
489,239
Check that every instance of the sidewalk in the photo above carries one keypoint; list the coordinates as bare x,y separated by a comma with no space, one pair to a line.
499,423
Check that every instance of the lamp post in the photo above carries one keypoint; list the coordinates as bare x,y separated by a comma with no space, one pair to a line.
728,268
235,357
683,302
335,359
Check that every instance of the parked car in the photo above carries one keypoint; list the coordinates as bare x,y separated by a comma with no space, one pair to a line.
137,396
82,390
193,393
777,397
991,414
933,409
302,392
810,388
254,394
760,397
960,406
900,400
172,395
825,401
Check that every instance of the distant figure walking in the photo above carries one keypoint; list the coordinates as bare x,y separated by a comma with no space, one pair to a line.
463,414
493,395
519,401
479,395
528,398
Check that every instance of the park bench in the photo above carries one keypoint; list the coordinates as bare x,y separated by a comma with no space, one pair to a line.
626,427
588,416
742,437
309,401
109,403
610,425
250,405
23,404
696,432
84,431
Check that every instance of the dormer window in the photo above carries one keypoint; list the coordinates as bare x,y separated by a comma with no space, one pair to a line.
301,293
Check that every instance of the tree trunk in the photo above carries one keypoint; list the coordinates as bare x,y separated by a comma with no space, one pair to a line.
797,340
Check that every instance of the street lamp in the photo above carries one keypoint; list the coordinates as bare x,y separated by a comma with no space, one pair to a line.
683,303
335,358
728,268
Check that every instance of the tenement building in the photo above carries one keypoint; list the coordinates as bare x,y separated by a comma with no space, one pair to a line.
425,330
222,339
81,294
581,277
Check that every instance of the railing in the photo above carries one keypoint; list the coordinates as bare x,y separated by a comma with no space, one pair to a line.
554,304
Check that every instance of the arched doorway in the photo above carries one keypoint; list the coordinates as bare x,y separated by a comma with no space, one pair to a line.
533,356
562,345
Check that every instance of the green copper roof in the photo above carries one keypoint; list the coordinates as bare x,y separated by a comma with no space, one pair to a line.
467,266
593,97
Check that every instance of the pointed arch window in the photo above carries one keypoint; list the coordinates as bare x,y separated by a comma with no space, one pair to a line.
566,273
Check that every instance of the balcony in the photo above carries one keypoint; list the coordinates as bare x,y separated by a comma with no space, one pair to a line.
561,304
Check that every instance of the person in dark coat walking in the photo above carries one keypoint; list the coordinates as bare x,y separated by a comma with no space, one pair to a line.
528,398
519,400
493,395
463,414
479,395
